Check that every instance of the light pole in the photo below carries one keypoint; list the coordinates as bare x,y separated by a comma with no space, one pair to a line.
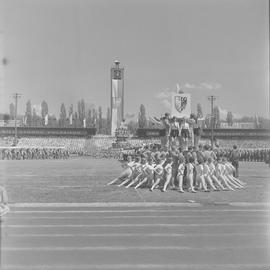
16,96
212,98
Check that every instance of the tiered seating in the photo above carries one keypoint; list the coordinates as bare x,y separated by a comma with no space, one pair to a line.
72,144
101,145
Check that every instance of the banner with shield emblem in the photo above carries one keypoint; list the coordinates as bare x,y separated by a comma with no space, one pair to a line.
181,105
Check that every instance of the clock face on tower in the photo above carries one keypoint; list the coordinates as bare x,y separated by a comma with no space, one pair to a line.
117,74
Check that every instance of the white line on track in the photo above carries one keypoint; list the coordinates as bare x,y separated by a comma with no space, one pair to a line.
104,204
137,204
248,204
23,175
134,225
119,217
126,248
136,211
170,235
143,266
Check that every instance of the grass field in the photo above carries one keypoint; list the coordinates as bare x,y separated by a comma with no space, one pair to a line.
212,234
84,180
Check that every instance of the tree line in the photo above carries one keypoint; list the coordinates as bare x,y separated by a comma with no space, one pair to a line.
258,122
91,117
80,117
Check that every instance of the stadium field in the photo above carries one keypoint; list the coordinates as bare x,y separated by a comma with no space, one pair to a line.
59,219
83,180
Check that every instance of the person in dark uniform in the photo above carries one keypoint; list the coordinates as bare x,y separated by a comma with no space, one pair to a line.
234,158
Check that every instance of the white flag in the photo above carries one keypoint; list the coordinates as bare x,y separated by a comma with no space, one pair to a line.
70,119
46,119
25,120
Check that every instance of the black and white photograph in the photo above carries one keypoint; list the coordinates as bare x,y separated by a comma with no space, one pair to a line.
134,135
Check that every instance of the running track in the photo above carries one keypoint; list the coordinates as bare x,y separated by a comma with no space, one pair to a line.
136,236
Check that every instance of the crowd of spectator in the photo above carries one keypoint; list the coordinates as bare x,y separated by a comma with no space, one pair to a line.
105,147
71,144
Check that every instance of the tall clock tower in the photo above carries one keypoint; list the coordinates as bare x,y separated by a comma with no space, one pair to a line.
117,96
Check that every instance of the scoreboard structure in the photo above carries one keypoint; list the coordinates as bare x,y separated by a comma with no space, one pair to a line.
117,96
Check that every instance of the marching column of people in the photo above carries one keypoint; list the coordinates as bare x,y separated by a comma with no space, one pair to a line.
246,155
193,170
33,153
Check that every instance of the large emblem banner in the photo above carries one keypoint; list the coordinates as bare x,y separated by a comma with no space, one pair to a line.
181,105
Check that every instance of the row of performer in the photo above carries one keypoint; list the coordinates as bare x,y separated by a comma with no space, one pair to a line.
246,155
33,153
181,131
179,170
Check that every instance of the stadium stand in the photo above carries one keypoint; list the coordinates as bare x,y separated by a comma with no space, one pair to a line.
101,146
105,142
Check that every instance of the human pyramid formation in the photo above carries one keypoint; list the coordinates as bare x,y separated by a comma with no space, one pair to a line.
192,170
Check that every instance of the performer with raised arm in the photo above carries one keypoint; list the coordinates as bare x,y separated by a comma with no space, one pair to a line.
180,173
190,174
141,175
200,180
174,131
184,129
149,174
127,173
158,174
168,173
136,170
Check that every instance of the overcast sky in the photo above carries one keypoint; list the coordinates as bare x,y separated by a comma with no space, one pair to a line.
62,51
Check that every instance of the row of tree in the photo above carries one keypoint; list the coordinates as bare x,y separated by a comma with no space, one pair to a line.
92,117
82,117
143,122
